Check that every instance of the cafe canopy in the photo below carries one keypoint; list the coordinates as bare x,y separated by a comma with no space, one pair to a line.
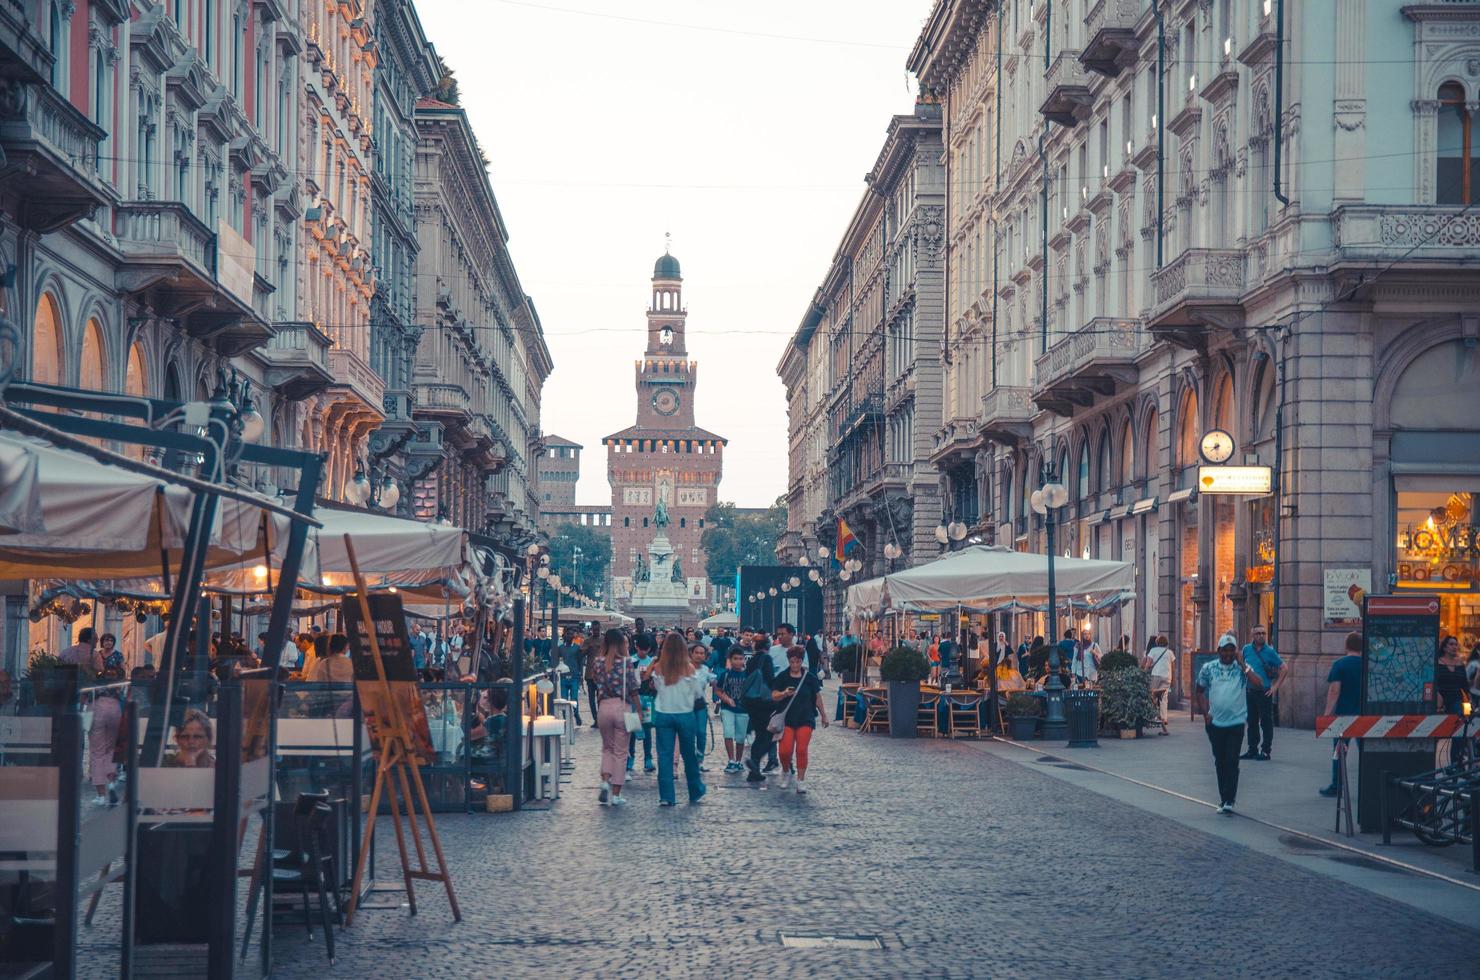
65,515
990,577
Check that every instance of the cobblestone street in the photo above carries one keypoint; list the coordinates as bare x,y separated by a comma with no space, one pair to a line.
961,863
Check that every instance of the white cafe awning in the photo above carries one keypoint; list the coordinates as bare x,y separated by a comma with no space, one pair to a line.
983,574
64,515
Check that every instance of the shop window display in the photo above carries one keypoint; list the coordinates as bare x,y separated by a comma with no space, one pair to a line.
1438,550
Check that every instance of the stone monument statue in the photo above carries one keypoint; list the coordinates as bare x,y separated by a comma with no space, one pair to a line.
660,517
678,570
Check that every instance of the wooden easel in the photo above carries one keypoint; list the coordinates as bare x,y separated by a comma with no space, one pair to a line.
395,774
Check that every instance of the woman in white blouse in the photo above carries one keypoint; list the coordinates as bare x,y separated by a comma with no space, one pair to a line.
673,718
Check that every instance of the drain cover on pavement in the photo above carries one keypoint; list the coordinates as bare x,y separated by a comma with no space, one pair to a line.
812,940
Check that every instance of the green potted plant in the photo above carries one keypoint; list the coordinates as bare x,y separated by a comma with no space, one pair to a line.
1117,660
53,682
902,669
1125,700
846,661
1022,711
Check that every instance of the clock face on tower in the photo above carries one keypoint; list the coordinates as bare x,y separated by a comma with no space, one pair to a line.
665,401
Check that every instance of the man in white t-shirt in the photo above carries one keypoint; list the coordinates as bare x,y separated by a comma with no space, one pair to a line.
786,637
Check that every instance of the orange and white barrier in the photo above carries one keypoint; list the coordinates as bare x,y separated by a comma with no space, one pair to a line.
1388,726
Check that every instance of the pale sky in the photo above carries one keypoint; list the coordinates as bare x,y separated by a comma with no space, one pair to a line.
745,130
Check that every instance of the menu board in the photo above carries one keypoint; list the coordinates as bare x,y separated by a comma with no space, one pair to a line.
390,634
389,622
1400,650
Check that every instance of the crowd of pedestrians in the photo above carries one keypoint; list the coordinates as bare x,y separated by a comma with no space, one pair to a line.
664,690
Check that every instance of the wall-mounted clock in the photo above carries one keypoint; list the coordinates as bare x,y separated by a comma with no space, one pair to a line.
665,401
1217,446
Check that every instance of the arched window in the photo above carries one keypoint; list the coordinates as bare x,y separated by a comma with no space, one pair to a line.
136,380
54,41
1223,405
1104,478
1455,151
91,370
1024,500
172,389
1149,444
1264,405
46,342
1127,457
1082,480
1187,431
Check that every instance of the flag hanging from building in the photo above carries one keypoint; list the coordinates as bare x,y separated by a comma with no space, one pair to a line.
847,541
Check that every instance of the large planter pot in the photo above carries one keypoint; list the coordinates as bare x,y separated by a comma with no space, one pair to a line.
904,706
1022,728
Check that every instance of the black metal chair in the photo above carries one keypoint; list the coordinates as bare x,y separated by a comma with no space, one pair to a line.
306,866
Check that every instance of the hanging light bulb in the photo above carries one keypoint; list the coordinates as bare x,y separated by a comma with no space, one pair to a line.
822,551
958,531
941,534
795,581
804,561
845,575
785,586
813,574
543,571
772,591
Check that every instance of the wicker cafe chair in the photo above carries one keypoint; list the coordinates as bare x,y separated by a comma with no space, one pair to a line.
875,711
927,719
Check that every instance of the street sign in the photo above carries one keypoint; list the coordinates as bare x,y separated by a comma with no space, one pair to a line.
1253,480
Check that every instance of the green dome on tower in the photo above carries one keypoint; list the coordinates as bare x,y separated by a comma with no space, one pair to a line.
666,267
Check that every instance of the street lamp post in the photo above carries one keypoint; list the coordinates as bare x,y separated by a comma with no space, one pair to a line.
1045,501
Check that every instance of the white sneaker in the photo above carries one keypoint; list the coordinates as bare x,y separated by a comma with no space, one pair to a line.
619,801
801,785
1224,809
785,779
98,801
605,795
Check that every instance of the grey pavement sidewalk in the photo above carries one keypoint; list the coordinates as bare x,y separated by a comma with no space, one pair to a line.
1173,775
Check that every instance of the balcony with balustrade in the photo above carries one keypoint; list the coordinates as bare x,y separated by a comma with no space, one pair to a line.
1093,362
49,151
1198,291
1430,236
172,264
296,360
1068,98
1111,29
1007,414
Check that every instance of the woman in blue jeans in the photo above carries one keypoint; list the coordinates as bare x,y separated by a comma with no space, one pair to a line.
673,719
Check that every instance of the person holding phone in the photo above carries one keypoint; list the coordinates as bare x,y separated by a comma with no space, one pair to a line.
798,692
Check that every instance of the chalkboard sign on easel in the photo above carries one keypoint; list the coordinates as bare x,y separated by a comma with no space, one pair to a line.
1199,657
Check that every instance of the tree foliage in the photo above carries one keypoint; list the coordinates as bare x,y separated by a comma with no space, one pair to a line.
596,556
734,537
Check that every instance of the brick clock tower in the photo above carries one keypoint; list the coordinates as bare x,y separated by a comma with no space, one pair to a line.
664,472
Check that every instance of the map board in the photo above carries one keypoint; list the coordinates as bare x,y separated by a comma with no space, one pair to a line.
1400,648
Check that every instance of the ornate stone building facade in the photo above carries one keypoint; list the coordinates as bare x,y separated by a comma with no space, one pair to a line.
1183,234
407,69
481,351
189,189
664,470
863,371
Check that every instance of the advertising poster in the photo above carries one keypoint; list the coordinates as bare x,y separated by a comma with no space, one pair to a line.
389,622
1346,588
1400,650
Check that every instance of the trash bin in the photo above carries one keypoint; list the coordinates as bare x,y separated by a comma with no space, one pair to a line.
1083,711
